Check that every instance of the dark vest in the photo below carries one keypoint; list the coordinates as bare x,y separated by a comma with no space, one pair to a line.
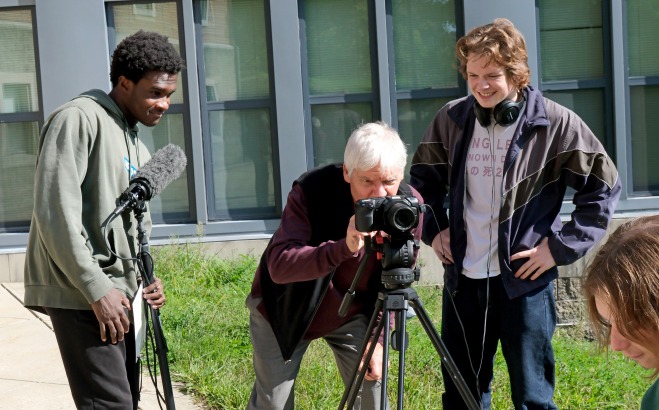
291,307
329,203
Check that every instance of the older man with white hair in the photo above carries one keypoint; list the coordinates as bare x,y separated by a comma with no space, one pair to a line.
310,264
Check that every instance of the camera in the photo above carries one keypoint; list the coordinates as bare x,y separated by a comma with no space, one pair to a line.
391,214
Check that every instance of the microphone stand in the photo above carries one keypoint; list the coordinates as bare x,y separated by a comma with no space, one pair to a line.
145,263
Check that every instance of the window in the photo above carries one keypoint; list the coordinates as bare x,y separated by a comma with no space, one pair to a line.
173,204
238,109
643,69
578,76
339,44
20,118
145,10
205,12
426,78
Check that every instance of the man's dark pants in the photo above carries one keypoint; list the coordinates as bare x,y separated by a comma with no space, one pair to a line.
524,325
97,371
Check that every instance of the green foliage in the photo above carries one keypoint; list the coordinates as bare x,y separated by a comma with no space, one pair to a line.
207,328
206,322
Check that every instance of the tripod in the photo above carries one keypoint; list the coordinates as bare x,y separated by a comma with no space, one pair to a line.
396,297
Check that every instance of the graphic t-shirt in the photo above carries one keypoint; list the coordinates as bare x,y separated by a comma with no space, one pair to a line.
485,158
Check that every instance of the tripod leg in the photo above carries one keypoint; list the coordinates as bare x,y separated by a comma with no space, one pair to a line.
386,318
460,383
400,338
350,393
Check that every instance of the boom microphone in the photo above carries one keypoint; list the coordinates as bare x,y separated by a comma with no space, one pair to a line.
165,165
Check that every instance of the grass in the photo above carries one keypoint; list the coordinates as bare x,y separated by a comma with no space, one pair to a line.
207,328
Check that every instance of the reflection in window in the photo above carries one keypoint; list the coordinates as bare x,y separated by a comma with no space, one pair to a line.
19,142
578,24
332,125
145,10
642,31
339,42
645,144
19,118
414,117
239,109
578,76
424,44
425,70
242,162
643,63
338,53
236,51
16,98
172,205
590,104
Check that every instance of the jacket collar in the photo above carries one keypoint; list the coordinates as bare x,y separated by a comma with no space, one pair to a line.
536,112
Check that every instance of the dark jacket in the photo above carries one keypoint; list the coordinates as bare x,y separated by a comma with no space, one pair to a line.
308,256
551,150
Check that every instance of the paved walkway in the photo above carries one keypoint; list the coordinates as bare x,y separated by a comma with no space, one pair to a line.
31,372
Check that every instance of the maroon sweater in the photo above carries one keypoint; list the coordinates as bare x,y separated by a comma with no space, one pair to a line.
290,258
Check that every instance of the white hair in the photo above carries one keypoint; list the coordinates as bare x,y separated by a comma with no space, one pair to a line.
373,144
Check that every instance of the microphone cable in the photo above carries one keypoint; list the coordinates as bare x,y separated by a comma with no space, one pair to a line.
489,253
476,372
112,252
455,309
151,354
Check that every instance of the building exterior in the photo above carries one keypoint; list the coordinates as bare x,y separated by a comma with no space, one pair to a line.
273,88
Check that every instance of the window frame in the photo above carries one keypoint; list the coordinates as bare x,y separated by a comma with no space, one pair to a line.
605,83
420,94
633,81
215,215
372,98
25,117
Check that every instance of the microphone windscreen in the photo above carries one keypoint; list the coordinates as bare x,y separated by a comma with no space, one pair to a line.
165,165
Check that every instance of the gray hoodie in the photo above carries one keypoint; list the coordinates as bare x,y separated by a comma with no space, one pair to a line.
87,152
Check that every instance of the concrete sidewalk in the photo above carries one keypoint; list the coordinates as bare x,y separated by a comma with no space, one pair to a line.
31,371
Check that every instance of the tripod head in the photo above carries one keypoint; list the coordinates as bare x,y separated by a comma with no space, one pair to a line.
396,253
396,216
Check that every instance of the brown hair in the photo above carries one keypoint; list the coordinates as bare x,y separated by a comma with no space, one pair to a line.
625,274
500,42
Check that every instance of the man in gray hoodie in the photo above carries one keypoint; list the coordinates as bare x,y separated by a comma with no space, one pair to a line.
80,275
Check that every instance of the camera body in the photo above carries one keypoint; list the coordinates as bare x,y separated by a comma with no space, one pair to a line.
392,214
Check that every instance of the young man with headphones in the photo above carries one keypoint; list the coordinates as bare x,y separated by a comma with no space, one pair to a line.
505,156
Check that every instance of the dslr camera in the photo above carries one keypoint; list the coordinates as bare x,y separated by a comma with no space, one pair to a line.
391,214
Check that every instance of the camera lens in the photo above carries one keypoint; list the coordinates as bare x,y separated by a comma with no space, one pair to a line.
402,217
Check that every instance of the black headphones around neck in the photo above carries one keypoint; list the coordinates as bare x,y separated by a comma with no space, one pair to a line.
505,113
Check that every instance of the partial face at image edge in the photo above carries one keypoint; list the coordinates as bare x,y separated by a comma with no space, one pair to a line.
620,343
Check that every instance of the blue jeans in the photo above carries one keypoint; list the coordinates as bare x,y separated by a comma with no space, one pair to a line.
524,326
